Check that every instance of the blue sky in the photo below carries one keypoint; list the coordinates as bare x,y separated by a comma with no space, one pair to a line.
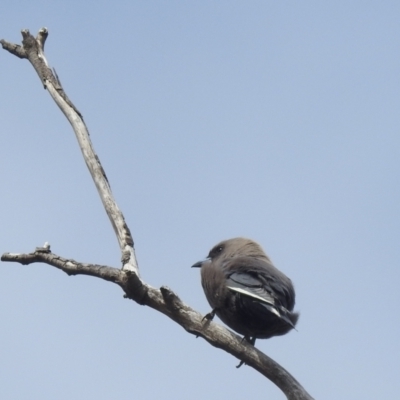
277,121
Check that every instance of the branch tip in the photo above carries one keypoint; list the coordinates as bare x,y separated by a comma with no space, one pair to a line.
42,36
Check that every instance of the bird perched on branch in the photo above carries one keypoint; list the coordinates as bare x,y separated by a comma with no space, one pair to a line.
246,291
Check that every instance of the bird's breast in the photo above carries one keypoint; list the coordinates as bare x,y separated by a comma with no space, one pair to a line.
214,284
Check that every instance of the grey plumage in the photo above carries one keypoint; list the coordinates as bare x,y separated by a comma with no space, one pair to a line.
246,291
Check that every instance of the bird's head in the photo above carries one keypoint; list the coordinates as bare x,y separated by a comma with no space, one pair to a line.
231,248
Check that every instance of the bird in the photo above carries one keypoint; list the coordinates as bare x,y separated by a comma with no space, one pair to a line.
246,291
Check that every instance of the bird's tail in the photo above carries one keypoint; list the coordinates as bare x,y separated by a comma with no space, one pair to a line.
292,318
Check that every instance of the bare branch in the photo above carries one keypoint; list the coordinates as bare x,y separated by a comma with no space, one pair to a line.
15,49
164,299
167,302
32,49
70,267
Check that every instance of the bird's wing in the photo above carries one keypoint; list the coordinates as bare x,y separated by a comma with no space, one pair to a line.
261,278
261,281
250,285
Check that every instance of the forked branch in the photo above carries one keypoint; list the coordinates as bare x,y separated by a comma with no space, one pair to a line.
163,299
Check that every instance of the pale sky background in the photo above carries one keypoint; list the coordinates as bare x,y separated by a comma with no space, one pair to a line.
277,121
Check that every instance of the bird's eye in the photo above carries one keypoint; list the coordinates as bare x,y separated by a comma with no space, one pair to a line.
215,251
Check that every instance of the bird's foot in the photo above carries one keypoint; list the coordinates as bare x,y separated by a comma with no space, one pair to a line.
210,316
251,340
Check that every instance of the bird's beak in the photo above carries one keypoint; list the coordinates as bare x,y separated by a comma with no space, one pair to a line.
199,264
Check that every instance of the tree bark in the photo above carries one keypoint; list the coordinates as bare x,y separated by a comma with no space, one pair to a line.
164,299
